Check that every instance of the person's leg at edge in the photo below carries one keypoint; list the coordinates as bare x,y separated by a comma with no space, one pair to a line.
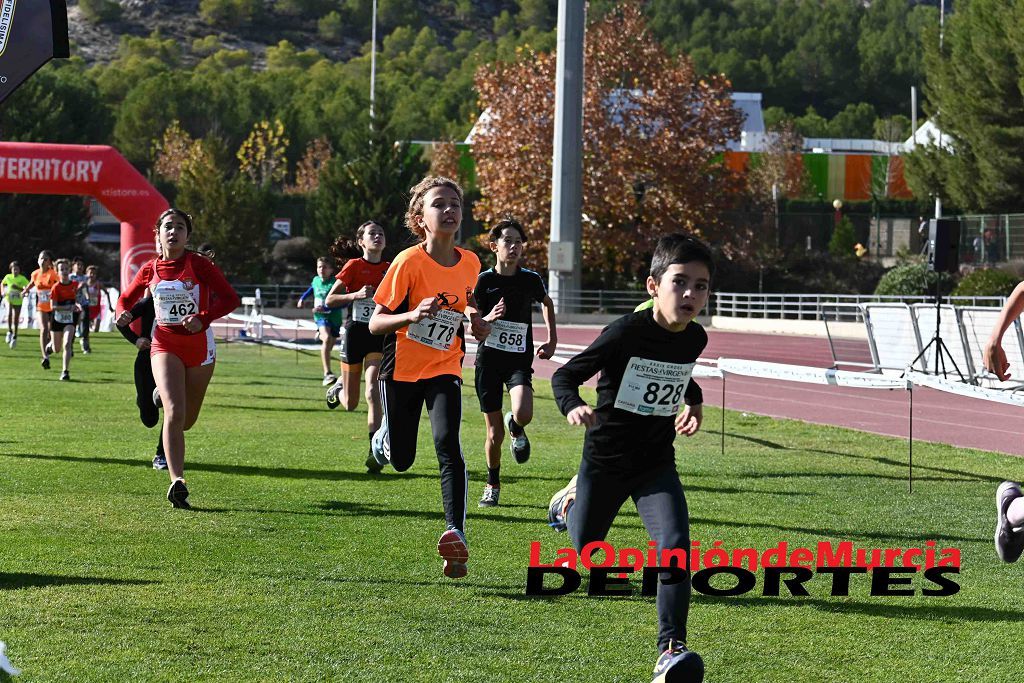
371,366
661,503
492,445
169,373
351,376
67,346
326,346
403,406
44,333
598,499
522,404
444,406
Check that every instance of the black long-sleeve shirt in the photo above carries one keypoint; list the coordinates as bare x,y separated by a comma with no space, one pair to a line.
645,372
142,309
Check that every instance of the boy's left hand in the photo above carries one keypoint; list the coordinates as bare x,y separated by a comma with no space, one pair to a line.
546,350
688,421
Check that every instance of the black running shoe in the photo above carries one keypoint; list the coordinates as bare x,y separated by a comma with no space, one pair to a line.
519,444
372,466
178,494
678,665
65,376
156,398
45,363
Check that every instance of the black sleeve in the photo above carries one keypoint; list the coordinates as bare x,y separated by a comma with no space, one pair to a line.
484,305
540,290
694,396
145,311
568,379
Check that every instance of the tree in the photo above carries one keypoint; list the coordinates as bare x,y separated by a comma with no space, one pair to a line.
653,134
98,11
368,179
311,167
262,155
976,98
231,213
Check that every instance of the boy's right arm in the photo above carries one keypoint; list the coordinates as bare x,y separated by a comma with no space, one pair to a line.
994,356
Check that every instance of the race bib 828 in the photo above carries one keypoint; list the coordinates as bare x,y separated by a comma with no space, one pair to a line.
651,387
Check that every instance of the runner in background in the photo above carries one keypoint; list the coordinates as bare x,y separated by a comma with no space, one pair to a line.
189,293
12,288
360,350
420,307
43,278
64,315
505,294
79,277
327,318
94,293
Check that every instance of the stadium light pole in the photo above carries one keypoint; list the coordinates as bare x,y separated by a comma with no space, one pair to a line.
373,59
564,253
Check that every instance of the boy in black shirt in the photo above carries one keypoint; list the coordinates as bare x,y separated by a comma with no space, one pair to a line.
645,360
505,294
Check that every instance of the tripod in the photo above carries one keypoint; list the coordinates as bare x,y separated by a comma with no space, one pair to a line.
936,341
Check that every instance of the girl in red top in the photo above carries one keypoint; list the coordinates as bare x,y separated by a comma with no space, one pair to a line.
189,293
43,278
356,283
64,314
420,307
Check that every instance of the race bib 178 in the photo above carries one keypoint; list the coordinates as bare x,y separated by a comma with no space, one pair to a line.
651,387
507,336
437,332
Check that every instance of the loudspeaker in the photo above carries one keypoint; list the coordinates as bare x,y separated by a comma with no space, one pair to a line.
943,245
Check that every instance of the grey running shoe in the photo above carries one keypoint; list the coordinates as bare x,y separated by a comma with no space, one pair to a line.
380,446
178,494
1009,542
160,462
560,504
519,445
453,548
13,342
678,665
329,379
157,401
490,497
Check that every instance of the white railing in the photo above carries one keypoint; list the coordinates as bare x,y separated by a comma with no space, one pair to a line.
810,306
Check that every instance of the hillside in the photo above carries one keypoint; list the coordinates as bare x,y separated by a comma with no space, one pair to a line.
96,41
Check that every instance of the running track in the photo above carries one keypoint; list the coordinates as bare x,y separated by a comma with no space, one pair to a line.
938,416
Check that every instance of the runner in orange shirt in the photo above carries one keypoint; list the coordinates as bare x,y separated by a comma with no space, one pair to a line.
43,278
420,308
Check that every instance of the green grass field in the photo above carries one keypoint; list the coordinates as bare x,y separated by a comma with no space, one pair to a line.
296,565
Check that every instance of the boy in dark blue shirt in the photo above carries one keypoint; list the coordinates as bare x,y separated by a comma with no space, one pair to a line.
645,359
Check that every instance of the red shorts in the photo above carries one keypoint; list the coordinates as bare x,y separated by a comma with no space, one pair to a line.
94,312
193,349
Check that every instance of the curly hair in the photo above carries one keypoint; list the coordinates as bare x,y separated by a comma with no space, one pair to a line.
416,196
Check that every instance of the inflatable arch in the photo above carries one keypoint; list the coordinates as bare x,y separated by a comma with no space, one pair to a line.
96,171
